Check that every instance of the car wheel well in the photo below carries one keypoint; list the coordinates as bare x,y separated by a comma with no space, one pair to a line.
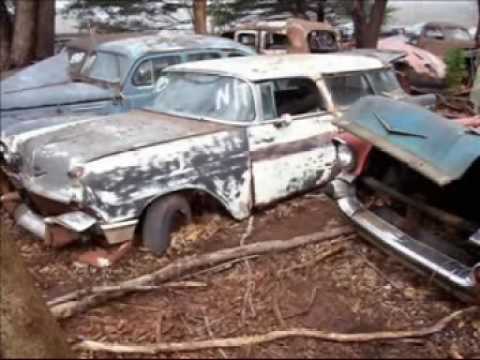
200,201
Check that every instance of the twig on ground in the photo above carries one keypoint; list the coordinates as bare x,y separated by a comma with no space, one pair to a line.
271,336
313,297
250,287
137,288
210,334
319,257
378,271
277,311
221,267
453,352
81,300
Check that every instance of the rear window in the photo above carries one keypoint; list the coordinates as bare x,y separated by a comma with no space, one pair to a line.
294,96
346,89
202,56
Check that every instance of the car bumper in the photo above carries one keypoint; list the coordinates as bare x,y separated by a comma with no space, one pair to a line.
65,228
448,272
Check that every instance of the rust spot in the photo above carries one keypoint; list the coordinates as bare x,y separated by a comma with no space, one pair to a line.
58,236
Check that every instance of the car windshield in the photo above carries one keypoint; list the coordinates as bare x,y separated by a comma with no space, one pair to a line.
457,34
347,88
204,96
384,82
104,66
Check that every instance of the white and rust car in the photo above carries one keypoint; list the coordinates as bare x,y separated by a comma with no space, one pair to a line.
245,132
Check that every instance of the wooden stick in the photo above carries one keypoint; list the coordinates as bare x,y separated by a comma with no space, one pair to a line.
235,342
81,300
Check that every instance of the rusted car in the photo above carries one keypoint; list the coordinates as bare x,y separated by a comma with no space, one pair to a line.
419,70
286,36
410,187
440,36
244,132
101,74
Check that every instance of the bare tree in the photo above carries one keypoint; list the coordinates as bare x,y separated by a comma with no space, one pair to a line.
45,38
5,36
367,21
200,16
23,44
477,34
28,328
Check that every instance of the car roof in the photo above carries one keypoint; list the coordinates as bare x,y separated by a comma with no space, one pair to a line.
264,67
283,25
137,46
444,24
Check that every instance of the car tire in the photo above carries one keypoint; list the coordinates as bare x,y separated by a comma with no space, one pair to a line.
162,219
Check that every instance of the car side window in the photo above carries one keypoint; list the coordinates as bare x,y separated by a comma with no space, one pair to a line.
162,62
294,96
143,76
275,41
234,53
247,39
203,56
348,88
149,71
434,33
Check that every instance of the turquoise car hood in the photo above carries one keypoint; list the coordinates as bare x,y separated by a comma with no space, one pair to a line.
436,147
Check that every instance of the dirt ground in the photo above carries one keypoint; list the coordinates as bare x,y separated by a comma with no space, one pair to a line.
357,290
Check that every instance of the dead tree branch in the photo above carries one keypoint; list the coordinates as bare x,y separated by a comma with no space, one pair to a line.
235,342
81,300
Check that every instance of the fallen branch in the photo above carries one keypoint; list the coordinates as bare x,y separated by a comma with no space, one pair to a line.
235,342
81,300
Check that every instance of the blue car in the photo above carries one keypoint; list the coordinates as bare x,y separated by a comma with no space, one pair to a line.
99,75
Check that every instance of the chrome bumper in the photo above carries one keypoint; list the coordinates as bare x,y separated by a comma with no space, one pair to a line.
449,273
56,231
63,229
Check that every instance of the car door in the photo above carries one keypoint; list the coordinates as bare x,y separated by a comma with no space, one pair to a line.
290,147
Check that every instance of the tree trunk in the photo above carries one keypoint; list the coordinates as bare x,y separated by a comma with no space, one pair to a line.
368,25
24,32
28,329
200,16
5,36
45,29
477,34
321,10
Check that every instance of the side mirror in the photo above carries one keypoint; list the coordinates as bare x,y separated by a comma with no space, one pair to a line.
284,121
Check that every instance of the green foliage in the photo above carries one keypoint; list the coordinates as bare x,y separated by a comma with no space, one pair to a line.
455,60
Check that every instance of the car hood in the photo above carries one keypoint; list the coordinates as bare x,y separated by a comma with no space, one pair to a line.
436,147
99,137
44,159
54,95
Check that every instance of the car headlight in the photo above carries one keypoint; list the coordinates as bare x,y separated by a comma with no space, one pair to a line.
345,157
